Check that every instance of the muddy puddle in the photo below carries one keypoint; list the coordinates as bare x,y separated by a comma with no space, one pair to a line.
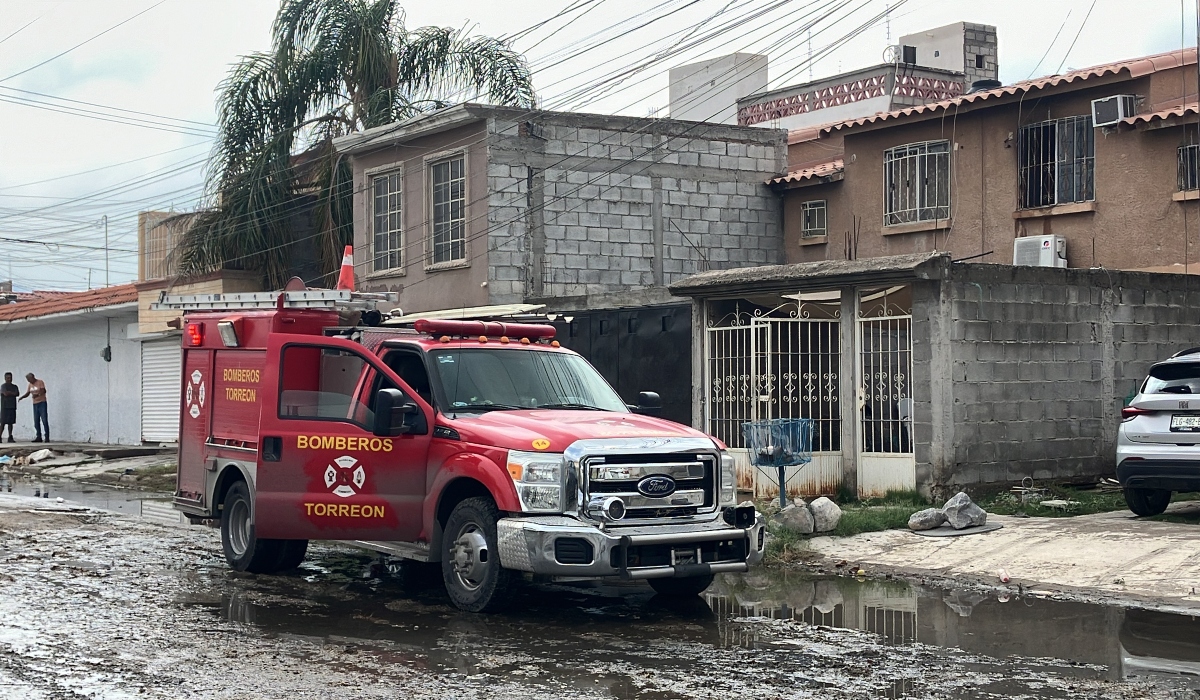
124,501
612,638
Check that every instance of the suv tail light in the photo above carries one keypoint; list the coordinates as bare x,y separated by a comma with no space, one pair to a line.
1129,413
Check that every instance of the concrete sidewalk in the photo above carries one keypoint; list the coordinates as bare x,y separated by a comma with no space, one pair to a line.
1109,555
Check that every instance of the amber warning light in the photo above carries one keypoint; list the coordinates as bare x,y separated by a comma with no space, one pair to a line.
195,334
484,329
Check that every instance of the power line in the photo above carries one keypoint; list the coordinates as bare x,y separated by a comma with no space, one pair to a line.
82,43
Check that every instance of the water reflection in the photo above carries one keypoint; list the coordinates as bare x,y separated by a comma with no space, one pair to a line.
1128,643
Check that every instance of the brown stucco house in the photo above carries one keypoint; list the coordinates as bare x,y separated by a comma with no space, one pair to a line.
970,175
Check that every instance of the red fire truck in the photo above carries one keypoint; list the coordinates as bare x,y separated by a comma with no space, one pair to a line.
483,447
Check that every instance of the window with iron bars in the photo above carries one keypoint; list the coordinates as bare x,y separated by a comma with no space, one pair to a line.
388,226
813,219
1056,162
916,183
1189,167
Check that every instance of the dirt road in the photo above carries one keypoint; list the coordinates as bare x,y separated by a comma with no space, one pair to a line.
107,606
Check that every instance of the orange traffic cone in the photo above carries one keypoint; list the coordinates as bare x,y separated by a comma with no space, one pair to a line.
346,277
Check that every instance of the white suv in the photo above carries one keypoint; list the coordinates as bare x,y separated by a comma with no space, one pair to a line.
1158,444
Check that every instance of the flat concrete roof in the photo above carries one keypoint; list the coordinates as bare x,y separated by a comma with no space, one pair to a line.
823,274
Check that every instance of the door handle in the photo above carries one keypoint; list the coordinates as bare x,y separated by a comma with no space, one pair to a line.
272,448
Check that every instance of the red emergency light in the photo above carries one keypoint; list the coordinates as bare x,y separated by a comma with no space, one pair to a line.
491,329
195,334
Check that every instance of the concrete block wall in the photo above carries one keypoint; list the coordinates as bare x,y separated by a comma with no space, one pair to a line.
1022,372
587,204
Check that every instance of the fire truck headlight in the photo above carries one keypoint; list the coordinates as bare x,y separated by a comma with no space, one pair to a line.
728,480
538,478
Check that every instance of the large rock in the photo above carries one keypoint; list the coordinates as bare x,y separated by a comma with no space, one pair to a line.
961,512
825,513
796,518
926,519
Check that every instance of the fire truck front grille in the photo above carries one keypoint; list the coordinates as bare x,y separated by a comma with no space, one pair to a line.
692,475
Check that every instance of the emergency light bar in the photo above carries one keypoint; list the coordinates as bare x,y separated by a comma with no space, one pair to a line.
491,329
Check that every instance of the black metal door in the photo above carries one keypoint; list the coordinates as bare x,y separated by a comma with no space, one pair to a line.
647,349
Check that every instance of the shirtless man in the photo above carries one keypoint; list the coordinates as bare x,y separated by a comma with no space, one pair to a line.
37,389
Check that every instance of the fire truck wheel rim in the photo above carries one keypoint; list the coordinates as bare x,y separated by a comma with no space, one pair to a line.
470,557
239,530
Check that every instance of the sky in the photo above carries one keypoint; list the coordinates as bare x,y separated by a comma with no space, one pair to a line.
66,166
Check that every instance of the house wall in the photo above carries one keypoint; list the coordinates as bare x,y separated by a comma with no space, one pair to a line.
421,288
90,400
1133,223
225,282
1022,371
585,204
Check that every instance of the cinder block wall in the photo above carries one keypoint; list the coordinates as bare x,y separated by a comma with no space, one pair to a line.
1022,372
588,204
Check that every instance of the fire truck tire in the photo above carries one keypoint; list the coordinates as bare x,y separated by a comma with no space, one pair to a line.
681,587
471,569
291,554
243,550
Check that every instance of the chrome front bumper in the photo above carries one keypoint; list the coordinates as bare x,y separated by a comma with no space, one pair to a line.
528,544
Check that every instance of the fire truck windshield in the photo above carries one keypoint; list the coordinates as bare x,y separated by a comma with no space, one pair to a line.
495,379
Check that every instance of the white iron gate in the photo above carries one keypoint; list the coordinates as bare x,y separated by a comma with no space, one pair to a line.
162,361
774,367
886,460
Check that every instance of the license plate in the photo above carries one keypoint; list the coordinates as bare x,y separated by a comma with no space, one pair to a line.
1185,424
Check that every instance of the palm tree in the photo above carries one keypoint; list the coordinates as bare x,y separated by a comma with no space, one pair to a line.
337,66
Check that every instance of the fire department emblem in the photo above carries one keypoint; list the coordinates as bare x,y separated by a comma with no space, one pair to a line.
195,394
345,476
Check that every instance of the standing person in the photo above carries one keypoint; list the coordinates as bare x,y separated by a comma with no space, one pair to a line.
8,406
37,389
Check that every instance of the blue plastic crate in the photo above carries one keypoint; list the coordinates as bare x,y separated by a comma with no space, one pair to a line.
779,442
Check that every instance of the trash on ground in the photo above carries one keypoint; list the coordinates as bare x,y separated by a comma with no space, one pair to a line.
40,455
1059,503
1003,576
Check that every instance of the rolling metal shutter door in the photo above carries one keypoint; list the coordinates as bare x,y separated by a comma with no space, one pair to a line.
162,362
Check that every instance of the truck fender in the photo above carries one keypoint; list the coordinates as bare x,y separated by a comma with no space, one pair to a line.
230,473
470,474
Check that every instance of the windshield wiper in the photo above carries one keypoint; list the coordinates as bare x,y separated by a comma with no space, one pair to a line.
579,406
485,407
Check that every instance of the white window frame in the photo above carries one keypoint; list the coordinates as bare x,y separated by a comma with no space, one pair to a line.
814,206
394,176
429,163
1055,176
916,182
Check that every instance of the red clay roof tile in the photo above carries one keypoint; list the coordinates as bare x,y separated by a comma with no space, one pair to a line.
48,303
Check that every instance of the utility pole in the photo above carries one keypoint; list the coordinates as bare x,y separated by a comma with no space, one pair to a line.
104,220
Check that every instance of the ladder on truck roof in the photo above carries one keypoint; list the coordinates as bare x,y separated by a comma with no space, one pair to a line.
302,299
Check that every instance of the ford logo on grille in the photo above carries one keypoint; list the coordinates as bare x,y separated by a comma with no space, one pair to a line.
656,486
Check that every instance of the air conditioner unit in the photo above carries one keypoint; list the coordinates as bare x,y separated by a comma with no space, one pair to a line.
1109,111
1040,251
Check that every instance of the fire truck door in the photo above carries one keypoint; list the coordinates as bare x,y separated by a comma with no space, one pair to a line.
323,474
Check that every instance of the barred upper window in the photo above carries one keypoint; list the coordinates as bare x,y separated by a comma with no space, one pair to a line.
1056,162
813,219
916,182
1189,167
388,227
448,180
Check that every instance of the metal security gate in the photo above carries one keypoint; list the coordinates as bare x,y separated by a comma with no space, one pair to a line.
886,460
161,367
761,367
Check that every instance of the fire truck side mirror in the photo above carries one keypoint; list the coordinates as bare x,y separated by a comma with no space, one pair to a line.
649,404
395,416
